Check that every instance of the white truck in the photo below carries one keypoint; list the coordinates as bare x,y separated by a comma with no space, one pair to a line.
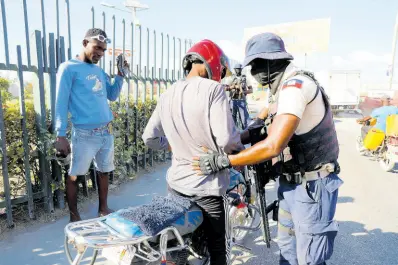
343,88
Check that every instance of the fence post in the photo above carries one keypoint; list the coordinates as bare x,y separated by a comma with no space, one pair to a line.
3,15
4,160
58,44
69,31
174,61
56,168
93,16
25,135
44,40
114,45
103,27
25,11
168,56
40,110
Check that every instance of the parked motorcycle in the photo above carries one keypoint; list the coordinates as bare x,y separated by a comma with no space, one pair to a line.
124,242
382,146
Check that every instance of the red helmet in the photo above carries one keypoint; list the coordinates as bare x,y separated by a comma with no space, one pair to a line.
211,55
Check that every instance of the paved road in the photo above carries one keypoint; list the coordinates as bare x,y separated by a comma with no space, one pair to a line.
367,213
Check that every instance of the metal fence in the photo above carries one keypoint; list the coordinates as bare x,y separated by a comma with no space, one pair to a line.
52,49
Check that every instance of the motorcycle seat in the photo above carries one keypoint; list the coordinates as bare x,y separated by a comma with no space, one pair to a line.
127,223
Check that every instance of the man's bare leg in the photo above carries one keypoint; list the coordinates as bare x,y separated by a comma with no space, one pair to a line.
103,185
71,198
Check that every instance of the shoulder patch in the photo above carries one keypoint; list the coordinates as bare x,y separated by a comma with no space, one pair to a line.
297,83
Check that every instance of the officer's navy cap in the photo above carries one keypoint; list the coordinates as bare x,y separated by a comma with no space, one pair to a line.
266,46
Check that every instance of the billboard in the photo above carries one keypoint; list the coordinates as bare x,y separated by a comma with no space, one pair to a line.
299,37
127,53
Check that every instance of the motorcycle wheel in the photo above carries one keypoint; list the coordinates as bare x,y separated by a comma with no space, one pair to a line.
240,217
359,146
386,164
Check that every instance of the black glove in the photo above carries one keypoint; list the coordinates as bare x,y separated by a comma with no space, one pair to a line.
213,163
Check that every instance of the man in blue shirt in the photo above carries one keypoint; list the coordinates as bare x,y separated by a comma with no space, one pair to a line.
380,114
83,90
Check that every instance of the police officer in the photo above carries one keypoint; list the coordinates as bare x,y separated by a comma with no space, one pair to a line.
238,89
301,119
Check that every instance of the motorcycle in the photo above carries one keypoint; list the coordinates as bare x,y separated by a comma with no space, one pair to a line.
382,146
182,242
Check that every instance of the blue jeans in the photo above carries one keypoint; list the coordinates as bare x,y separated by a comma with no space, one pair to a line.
306,228
239,111
88,145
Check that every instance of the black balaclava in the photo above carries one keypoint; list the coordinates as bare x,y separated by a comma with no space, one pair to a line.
238,71
269,72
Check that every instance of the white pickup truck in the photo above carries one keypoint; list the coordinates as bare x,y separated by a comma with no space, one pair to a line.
343,89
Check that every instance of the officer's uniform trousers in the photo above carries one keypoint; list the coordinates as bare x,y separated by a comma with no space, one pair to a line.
306,229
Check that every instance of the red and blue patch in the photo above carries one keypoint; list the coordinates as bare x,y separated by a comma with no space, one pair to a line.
297,83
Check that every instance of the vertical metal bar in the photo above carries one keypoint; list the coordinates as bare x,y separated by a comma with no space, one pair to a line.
58,45
136,86
39,105
152,85
147,55
154,65
154,53
25,134
161,60
62,49
93,16
132,47
52,73
168,56
124,35
140,63
25,13
56,170
190,43
185,45
69,31
103,27
114,45
124,47
179,62
4,160
3,15
131,59
43,21
174,61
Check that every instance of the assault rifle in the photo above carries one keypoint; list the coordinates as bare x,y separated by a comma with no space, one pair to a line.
261,174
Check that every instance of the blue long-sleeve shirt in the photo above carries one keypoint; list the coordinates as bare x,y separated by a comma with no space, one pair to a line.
83,90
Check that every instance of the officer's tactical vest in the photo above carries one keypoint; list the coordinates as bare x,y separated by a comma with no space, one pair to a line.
237,90
317,147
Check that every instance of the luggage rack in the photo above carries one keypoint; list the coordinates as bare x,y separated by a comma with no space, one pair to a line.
96,234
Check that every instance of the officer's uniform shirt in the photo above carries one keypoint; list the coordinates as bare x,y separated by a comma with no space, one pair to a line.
295,95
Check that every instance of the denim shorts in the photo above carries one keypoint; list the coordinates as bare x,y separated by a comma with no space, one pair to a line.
88,145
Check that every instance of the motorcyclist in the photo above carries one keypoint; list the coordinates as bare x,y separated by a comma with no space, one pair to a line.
380,114
192,113
301,119
238,89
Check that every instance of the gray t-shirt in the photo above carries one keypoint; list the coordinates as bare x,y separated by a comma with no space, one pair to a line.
191,114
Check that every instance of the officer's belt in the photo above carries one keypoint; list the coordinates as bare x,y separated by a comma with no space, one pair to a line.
297,178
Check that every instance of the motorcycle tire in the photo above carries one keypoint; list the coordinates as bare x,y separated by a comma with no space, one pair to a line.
359,146
386,164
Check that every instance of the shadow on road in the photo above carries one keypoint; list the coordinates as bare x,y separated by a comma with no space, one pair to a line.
357,245
345,200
